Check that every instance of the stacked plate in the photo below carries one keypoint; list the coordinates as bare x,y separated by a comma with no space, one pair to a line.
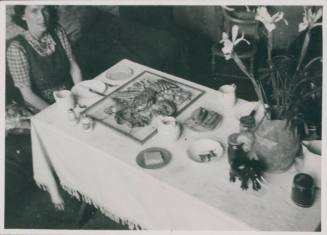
88,92
117,76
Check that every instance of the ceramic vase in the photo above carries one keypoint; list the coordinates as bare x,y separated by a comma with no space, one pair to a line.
276,145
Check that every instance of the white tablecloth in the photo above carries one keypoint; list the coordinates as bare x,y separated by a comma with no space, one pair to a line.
100,168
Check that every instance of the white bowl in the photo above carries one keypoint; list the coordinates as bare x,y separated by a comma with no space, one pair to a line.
203,147
119,75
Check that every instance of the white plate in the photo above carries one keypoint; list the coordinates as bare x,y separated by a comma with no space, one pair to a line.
205,147
118,75
81,90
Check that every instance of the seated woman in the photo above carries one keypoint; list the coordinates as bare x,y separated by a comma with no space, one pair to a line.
40,60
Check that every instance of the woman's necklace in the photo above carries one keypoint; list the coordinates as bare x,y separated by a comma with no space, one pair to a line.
45,45
40,40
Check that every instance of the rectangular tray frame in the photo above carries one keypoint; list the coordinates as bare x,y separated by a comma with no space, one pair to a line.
142,141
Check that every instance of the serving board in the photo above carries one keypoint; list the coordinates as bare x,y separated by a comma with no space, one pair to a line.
132,108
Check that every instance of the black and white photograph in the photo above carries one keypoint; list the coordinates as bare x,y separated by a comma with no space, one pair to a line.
152,116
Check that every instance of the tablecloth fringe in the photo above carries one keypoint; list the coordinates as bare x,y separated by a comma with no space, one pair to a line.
42,186
81,197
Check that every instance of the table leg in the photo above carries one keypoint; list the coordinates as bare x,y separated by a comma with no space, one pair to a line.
84,214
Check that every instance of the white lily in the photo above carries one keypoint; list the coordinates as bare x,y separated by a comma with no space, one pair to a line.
230,44
310,19
227,8
247,8
268,20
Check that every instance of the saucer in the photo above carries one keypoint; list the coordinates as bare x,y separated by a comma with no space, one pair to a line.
165,154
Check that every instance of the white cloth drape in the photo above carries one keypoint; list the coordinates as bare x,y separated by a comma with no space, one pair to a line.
100,168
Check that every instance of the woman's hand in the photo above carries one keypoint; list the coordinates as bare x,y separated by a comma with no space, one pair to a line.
33,99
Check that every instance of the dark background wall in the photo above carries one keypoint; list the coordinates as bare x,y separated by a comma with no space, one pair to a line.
205,20
209,21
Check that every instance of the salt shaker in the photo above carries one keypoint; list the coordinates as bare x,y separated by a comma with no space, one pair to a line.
235,150
79,110
72,117
87,123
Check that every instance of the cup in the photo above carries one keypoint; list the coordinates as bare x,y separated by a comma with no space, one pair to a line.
303,190
228,95
64,99
168,129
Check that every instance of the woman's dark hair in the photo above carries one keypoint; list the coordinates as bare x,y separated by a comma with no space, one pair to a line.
19,11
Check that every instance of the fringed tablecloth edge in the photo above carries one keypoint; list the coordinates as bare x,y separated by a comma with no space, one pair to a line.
42,186
82,197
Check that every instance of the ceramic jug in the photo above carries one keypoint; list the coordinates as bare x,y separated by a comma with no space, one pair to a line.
64,99
228,94
168,129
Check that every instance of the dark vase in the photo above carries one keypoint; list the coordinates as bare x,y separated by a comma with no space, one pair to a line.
241,13
243,18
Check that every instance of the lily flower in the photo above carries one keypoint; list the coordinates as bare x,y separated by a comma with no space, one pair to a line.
247,8
227,8
230,44
310,19
268,20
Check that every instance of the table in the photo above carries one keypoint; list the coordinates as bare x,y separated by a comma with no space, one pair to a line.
99,167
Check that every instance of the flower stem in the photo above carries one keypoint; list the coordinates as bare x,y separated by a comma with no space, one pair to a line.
269,48
242,67
304,49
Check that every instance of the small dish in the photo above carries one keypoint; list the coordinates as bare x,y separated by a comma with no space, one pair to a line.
84,89
203,120
118,75
205,150
166,156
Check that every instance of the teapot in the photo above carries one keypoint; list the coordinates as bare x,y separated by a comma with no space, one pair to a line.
168,129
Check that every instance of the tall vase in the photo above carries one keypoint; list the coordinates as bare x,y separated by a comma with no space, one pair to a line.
276,145
243,18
